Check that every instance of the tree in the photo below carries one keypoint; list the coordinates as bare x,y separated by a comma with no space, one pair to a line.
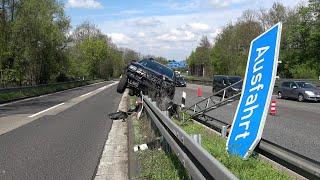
86,30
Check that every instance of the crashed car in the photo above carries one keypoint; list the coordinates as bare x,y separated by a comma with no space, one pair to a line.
149,77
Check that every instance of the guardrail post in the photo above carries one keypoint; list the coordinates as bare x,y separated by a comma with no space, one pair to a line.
196,138
224,131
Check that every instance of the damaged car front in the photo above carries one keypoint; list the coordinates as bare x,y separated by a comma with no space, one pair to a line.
148,77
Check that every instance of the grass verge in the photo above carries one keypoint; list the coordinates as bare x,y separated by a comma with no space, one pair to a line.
26,92
253,168
155,163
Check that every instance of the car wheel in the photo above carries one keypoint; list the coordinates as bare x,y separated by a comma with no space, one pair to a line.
131,92
122,84
300,98
163,103
152,94
280,95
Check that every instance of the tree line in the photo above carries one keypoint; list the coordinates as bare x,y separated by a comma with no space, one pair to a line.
299,51
36,46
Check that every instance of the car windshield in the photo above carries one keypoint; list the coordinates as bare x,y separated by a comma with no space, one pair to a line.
160,69
233,80
305,85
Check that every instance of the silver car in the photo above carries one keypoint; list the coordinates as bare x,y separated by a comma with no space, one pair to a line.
299,90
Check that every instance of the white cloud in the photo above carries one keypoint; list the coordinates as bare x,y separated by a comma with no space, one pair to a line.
226,3
90,4
180,32
120,38
176,35
195,27
141,34
147,22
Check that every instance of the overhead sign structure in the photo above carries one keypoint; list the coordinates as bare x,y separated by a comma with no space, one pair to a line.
252,110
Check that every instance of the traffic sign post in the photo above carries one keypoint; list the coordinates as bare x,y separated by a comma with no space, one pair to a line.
252,110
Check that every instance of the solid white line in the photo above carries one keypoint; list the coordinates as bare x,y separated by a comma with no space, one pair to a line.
100,89
27,99
86,94
104,87
45,110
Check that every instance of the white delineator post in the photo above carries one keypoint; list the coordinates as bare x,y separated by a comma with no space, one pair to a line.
183,99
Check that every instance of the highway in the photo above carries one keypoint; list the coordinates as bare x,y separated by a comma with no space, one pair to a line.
57,136
295,127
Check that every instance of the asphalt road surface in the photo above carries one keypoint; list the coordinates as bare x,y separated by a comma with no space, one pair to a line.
59,136
296,125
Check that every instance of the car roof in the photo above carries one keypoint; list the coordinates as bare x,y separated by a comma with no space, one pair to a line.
294,81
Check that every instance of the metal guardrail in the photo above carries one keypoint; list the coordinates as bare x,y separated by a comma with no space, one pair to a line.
199,163
208,104
302,165
12,89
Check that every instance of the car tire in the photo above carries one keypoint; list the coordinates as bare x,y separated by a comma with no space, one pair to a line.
122,84
152,94
300,98
279,96
164,103
131,92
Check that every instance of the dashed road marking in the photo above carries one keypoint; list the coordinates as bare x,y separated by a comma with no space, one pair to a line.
36,114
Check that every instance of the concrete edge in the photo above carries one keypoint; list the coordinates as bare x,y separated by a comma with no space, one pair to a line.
123,106
133,166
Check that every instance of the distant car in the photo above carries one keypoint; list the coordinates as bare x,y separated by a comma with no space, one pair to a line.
149,77
180,81
299,90
222,81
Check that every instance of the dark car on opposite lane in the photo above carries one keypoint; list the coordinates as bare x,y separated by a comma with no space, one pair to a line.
180,81
222,81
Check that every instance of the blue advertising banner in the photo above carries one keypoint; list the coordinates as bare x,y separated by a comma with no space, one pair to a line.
252,110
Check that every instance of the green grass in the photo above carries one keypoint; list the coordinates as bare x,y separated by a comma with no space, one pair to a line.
154,163
252,168
36,91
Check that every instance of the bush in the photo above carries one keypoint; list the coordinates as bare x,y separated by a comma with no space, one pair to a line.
304,71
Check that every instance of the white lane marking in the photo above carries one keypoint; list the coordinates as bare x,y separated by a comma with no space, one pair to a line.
100,89
86,94
31,98
36,114
104,87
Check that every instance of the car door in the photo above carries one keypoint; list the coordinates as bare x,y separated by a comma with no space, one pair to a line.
293,91
218,83
285,87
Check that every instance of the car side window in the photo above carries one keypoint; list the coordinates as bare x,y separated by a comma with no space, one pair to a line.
219,80
143,62
286,84
293,85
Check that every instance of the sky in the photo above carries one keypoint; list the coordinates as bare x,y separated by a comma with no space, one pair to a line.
167,28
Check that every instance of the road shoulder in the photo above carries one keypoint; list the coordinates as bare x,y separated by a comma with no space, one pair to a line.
114,160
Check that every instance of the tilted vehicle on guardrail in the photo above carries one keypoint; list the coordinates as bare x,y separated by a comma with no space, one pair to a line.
149,77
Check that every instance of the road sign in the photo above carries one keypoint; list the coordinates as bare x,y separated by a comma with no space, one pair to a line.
252,110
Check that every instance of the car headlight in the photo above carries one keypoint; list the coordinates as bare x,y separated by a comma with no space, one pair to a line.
309,93
133,68
141,72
